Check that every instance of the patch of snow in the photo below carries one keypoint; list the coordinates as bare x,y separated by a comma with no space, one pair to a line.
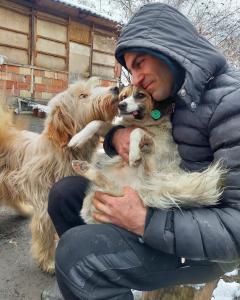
226,290
232,273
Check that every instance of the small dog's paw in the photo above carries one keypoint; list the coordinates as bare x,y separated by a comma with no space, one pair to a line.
146,144
80,167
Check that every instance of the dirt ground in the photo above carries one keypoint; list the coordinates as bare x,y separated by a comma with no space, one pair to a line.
20,277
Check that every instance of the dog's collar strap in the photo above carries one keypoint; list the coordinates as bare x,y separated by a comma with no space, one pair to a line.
161,109
156,114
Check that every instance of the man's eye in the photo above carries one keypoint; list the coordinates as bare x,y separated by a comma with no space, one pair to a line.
139,63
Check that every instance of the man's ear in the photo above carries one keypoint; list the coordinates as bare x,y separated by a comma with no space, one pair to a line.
62,127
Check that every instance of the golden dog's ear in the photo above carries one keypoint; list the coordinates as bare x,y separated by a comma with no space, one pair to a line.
61,127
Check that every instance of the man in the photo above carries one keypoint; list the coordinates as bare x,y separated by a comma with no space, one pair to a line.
140,248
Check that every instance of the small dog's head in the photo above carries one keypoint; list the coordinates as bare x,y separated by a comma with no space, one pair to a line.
81,103
135,103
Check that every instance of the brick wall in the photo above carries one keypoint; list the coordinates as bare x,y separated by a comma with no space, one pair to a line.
35,84
105,82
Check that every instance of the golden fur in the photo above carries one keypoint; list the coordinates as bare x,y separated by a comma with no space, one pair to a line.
31,163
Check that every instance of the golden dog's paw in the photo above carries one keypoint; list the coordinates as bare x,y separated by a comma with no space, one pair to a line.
48,267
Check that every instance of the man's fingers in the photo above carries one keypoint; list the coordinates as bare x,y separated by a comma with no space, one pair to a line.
101,207
101,218
103,197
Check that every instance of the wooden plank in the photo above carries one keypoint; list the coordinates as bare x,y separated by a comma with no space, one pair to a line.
182,292
32,39
13,20
105,52
105,59
14,7
52,18
105,33
51,54
79,59
79,33
14,39
102,43
13,30
43,45
13,47
68,46
51,30
103,71
91,51
13,55
50,39
50,62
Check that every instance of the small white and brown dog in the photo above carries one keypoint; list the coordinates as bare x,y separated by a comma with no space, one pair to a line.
31,163
153,169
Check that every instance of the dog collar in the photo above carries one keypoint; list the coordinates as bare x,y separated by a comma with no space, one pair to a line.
156,114
161,109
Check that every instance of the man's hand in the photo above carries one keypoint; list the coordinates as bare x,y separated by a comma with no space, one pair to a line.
127,212
121,141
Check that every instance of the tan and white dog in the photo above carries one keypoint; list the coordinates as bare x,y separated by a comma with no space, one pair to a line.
31,163
153,168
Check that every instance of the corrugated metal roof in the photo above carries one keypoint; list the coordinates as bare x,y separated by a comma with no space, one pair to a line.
86,9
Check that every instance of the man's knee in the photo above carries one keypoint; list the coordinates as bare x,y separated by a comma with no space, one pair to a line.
65,192
88,254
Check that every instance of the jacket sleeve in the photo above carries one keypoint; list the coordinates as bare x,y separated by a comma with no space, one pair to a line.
211,233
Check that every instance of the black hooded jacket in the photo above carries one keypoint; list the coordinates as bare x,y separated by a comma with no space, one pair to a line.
206,127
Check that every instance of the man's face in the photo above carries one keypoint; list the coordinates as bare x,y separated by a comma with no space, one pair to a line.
150,73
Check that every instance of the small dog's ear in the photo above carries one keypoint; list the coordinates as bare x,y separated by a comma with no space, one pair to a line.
61,127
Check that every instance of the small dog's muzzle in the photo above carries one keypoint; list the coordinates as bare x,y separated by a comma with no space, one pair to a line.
122,106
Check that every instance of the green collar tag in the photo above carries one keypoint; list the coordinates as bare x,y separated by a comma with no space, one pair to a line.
156,114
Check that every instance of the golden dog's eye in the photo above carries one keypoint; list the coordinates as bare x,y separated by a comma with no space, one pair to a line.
83,96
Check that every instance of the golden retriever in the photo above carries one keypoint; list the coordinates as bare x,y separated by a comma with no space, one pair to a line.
31,163
153,168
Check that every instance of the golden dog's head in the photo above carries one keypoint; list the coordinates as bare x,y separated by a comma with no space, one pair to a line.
135,103
80,104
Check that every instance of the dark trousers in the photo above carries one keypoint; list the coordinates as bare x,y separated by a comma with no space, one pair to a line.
103,261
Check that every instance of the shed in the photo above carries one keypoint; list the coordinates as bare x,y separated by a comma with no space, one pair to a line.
45,44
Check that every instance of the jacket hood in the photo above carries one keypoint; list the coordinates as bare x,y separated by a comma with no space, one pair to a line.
162,28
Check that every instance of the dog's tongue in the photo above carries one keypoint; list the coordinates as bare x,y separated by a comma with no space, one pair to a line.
135,113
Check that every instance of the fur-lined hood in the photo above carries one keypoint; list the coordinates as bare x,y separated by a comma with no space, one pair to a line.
162,28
